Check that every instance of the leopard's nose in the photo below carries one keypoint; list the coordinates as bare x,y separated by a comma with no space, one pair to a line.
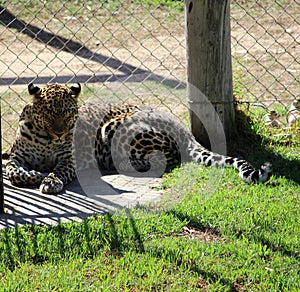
59,126
59,135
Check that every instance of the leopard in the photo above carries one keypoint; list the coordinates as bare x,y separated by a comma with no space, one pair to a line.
56,136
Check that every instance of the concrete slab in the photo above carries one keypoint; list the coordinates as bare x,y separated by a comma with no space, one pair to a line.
93,195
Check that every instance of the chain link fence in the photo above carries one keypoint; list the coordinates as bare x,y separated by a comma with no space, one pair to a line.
134,51
266,50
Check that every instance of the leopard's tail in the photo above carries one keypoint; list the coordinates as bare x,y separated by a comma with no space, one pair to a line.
246,170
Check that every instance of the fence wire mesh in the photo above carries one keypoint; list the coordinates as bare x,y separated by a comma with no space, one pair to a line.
134,51
265,42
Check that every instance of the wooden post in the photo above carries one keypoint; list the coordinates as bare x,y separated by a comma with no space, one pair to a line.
209,70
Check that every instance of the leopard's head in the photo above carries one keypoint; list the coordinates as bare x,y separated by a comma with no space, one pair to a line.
55,108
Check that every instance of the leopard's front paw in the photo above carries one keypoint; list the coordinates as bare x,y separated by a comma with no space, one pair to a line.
51,184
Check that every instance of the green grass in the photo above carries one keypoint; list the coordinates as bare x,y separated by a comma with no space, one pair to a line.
254,232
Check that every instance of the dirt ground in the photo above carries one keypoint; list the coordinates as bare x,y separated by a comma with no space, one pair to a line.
140,53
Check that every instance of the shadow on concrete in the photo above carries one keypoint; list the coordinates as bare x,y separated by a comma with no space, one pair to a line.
110,193
29,206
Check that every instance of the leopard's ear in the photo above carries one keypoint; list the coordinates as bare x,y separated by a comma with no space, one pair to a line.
76,88
34,90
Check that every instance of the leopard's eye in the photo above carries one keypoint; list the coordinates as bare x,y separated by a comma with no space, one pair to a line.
48,119
46,112
70,119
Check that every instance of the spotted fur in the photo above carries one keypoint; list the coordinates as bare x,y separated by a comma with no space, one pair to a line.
42,152
128,138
